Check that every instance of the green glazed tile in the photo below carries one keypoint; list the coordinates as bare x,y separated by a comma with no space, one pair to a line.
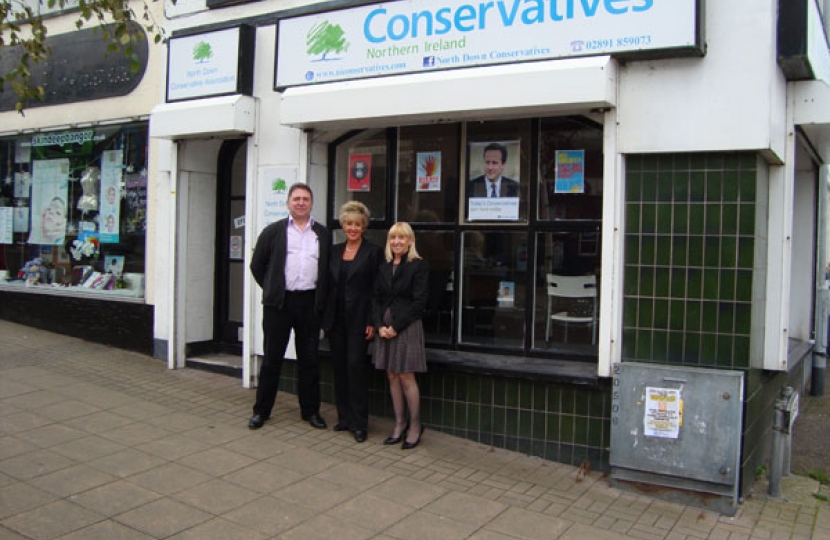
566,434
714,161
648,221
746,219
554,399
629,344
554,430
645,313
650,162
742,346
646,281
709,317
540,396
674,354
709,351
526,394
499,420
691,349
711,251
743,319
726,318
727,284
596,432
665,162
729,251
662,282
539,425
713,213
581,430
694,283
568,400
633,186
632,248
659,346
681,162
631,280
731,162
677,314
649,186
748,186
633,162
694,312
512,419
711,284
679,251
499,392
729,218
648,250
697,216
680,186
598,407
697,187
746,252
743,286
748,161
714,185
632,218
680,221
661,314
644,344
511,393
725,351
697,161
664,186
664,218
664,250
629,313
678,283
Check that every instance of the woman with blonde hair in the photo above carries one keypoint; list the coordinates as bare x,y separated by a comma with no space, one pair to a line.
347,320
400,297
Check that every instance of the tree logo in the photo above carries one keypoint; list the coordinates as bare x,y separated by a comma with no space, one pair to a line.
326,38
278,186
202,52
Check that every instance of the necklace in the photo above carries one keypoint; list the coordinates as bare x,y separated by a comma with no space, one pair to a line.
353,249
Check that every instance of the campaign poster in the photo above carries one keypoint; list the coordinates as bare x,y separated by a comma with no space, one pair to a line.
429,171
570,171
360,172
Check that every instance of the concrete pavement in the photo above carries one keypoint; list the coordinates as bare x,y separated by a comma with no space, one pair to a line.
100,443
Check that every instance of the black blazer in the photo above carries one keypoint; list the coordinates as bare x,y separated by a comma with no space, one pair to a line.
405,293
268,263
479,188
358,287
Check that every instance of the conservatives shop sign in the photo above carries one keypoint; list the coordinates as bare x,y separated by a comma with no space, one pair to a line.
423,35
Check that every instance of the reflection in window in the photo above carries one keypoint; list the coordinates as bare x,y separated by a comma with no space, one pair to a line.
493,295
428,174
570,169
437,248
361,173
567,291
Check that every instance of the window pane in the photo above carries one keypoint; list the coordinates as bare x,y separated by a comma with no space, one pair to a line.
567,291
438,250
428,174
493,295
79,205
570,169
498,171
360,173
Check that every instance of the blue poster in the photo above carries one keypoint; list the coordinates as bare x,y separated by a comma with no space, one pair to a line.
570,171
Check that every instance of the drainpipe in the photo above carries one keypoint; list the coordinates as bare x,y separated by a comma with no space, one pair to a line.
786,411
822,323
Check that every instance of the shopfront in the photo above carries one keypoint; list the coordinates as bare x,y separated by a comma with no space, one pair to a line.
76,190
638,218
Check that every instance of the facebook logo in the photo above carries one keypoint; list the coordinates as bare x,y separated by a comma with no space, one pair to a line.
429,61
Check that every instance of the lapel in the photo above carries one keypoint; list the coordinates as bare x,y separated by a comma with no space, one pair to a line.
337,257
358,260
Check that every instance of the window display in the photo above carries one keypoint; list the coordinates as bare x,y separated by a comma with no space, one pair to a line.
73,207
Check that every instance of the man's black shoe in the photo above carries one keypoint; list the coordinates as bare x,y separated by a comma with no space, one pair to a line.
359,435
256,421
340,426
316,421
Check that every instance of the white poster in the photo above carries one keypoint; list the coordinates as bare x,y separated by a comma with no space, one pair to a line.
664,413
109,218
6,225
273,184
50,181
21,219
22,183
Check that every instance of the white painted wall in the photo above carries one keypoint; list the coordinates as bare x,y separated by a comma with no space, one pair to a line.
731,99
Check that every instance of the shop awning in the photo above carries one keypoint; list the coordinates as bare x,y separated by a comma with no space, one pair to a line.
203,118
482,93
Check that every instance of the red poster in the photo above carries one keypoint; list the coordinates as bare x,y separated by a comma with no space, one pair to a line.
360,172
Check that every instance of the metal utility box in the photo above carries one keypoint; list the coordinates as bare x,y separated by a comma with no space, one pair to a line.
676,433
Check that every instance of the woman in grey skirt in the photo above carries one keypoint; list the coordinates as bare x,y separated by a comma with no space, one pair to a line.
400,296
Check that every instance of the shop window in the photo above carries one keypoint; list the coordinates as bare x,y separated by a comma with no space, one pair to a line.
498,171
361,172
73,207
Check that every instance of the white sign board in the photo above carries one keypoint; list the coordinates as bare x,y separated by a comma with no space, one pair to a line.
203,65
273,184
409,36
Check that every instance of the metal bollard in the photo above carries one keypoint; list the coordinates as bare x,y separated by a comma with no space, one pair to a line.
786,410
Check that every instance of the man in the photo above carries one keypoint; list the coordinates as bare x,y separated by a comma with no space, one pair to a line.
290,263
492,183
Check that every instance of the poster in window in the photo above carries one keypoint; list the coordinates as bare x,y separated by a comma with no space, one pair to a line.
570,171
50,182
6,225
21,219
22,183
360,172
429,171
109,219
493,191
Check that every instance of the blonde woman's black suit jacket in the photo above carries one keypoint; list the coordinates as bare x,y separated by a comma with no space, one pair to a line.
405,293
357,288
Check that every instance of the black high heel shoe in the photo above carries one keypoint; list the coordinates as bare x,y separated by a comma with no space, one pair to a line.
390,440
410,445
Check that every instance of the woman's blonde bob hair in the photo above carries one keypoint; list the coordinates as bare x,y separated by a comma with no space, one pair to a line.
401,228
354,211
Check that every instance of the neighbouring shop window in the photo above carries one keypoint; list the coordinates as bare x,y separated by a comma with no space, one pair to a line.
73,210
494,262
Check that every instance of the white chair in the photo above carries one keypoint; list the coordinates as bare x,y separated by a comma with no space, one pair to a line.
572,300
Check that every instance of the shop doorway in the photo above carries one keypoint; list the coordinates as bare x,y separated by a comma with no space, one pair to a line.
230,249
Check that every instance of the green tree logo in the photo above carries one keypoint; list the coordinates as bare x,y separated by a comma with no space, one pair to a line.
325,38
278,186
202,52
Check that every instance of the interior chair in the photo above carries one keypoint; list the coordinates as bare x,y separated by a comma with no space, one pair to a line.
572,300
